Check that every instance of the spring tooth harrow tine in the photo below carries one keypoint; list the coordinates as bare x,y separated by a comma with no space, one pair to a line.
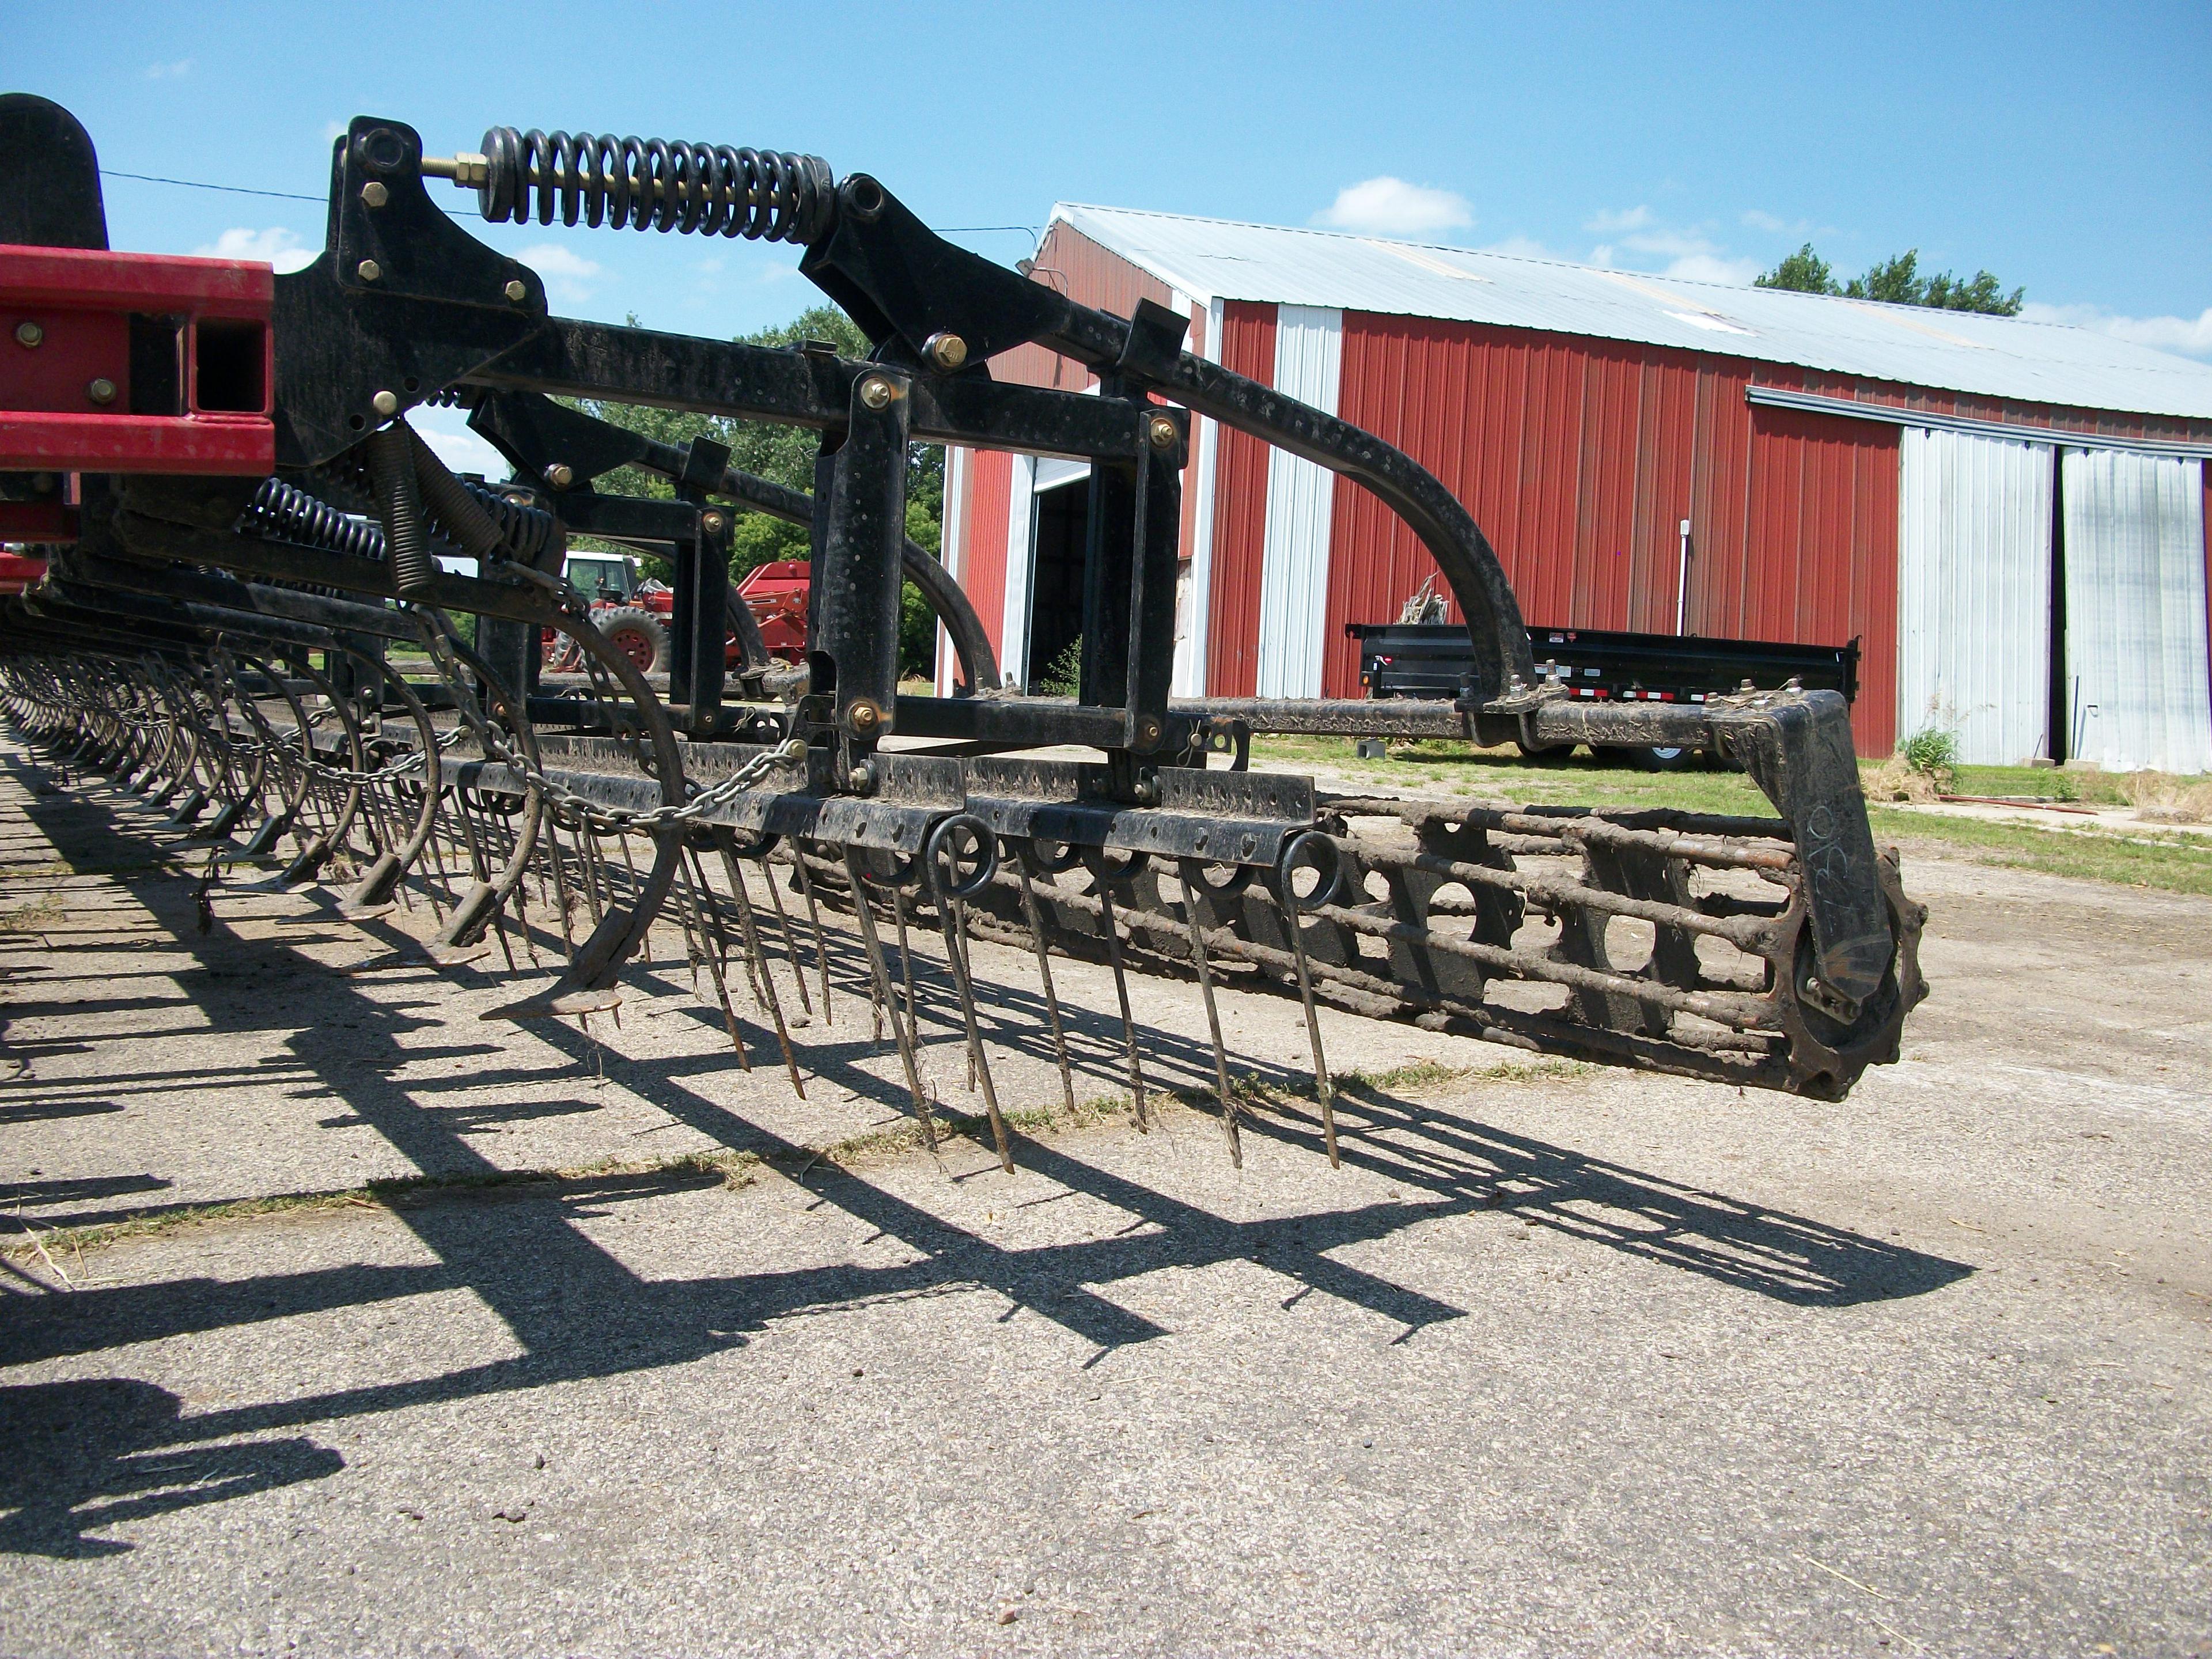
979,1065
1122,993
790,945
693,878
880,981
906,971
1212,1019
814,911
1324,1092
1044,976
750,932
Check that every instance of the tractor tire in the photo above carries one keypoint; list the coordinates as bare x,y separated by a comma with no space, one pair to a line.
638,635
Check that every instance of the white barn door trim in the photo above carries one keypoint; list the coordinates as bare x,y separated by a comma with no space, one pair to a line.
1294,558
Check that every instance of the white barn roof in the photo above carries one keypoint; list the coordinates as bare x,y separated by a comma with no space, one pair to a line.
1955,351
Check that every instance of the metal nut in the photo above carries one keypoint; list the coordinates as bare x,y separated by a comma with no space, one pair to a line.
947,351
368,271
711,522
385,403
30,334
374,194
515,290
1162,432
876,392
101,391
1148,730
864,715
558,476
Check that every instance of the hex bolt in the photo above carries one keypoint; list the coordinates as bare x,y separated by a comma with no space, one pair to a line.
861,779
711,522
101,391
558,476
876,391
863,714
30,334
374,194
947,351
1148,730
368,271
385,403
515,290
1161,431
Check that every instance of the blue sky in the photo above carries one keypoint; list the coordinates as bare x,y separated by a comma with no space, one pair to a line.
2066,147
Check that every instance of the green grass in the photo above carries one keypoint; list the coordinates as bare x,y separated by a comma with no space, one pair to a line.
2143,857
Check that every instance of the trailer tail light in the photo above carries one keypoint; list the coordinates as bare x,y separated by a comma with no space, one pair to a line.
135,362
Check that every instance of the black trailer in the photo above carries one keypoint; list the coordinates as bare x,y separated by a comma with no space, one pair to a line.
1437,660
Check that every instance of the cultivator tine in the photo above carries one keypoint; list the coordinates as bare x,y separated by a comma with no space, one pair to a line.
764,976
1198,961
1121,996
790,945
1044,978
1324,1092
885,999
821,943
956,956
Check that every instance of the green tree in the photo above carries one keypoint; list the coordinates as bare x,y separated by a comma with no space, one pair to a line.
786,455
1896,280
1805,271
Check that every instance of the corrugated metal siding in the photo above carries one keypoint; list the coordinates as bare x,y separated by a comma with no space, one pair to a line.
1580,460
2136,655
1973,594
1819,553
1979,356
1240,520
983,559
1294,568
1072,263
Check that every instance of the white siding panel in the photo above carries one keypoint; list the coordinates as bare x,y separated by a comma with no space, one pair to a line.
2135,659
953,540
1294,559
1973,594
1021,569
1193,606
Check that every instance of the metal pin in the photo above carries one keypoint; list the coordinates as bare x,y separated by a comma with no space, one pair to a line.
879,976
1044,974
1212,1019
1121,991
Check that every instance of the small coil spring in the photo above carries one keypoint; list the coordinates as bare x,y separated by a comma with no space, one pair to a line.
284,512
656,184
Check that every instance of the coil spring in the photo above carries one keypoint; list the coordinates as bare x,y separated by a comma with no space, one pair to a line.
707,190
284,512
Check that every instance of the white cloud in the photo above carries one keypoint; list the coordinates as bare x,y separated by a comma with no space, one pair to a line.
1713,268
1607,223
2192,335
1391,207
274,246
446,432
174,72
1767,222
568,276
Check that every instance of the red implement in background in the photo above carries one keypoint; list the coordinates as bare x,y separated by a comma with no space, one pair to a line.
777,593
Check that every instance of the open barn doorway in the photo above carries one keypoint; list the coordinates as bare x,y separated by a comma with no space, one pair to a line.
1061,509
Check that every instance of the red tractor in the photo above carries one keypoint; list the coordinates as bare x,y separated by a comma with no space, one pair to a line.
633,612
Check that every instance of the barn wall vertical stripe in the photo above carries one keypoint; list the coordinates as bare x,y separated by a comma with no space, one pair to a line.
1021,567
1240,514
983,552
1195,600
1294,562
1973,594
952,541
2135,654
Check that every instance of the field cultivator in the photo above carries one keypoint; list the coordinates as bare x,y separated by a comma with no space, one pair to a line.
269,605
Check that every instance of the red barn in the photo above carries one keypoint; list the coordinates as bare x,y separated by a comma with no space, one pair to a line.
2009,515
